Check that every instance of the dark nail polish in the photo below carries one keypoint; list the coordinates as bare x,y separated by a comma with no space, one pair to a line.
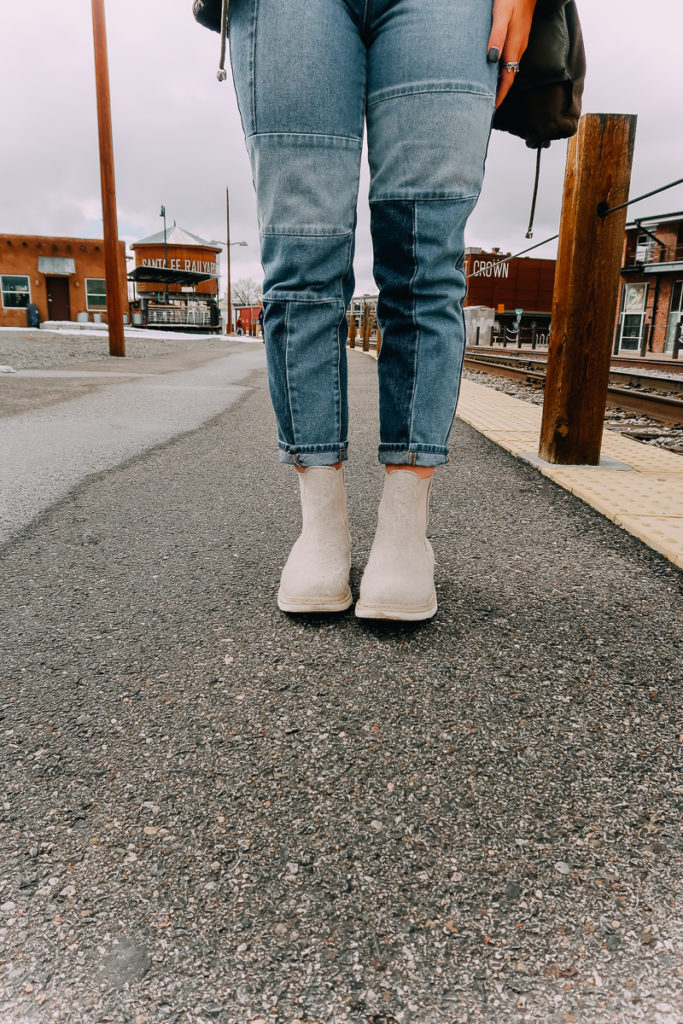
493,56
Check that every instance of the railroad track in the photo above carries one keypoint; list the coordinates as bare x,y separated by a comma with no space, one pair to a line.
662,401
671,366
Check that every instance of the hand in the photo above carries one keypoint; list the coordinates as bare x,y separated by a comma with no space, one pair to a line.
510,35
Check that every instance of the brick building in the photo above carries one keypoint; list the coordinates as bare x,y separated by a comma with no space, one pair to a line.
652,285
63,277
518,291
176,281
518,283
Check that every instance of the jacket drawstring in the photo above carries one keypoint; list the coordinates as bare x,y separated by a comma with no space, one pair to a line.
530,229
222,74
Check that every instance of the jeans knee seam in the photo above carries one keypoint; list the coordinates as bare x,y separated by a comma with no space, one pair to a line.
424,91
252,61
338,401
333,137
415,324
289,389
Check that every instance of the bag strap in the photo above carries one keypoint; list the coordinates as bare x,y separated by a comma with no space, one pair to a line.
530,229
221,74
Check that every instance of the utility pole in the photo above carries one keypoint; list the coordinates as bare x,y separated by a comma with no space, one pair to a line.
117,344
163,214
228,326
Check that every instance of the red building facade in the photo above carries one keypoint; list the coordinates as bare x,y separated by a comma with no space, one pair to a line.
519,283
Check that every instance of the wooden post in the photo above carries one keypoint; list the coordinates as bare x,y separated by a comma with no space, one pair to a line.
365,328
379,338
228,326
352,332
117,344
598,170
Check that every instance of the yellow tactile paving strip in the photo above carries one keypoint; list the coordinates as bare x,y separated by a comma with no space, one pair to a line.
645,497
647,501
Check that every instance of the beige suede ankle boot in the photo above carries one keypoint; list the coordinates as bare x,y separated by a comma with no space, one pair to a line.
316,575
398,582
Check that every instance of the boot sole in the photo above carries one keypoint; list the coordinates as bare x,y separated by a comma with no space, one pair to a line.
312,607
398,614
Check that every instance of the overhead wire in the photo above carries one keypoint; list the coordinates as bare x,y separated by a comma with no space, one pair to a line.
603,211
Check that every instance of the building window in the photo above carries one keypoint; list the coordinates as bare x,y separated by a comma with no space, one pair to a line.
675,314
632,317
16,291
95,293
644,247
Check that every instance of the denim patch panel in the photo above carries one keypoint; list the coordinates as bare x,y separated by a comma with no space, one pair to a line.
393,232
305,184
418,149
306,349
327,259
419,249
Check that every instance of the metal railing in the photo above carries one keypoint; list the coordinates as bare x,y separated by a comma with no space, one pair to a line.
647,255
194,317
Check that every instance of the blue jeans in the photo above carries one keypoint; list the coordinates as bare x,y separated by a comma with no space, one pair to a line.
308,74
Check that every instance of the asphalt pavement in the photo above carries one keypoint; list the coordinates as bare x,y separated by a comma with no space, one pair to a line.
214,812
101,417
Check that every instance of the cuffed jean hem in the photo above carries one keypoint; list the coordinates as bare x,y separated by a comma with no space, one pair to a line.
412,455
313,455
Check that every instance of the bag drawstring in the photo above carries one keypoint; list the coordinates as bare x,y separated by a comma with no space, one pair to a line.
222,74
530,229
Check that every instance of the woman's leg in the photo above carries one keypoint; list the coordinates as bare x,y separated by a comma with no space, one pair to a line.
299,70
430,106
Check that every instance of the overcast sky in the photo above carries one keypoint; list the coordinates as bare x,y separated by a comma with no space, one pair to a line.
178,140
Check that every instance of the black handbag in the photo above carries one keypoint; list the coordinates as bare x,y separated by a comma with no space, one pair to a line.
208,13
544,102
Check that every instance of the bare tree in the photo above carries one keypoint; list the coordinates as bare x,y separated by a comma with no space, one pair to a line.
246,292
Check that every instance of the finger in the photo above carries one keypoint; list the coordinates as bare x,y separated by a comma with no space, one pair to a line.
502,14
513,50
505,83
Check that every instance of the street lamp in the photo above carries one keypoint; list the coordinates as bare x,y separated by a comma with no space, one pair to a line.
228,245
163,214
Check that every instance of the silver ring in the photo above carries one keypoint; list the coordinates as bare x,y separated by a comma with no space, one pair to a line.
513,66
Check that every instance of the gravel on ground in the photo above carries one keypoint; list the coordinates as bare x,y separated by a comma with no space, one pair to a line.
36,349
640,428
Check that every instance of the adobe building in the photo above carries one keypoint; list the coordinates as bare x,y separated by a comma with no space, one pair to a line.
63,277
176,281
651,286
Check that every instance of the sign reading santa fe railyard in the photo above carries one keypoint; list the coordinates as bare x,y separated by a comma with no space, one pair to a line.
195,266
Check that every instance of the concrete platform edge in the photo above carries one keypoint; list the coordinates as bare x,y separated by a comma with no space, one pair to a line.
644,496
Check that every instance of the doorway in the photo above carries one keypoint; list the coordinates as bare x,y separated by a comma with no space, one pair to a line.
58,306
